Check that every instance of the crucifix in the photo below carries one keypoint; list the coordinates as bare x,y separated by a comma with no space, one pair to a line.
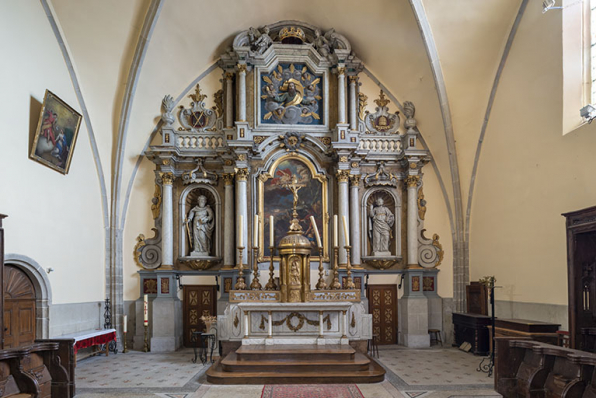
294,187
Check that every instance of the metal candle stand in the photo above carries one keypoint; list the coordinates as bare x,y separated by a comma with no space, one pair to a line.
271,283
240,284
124,347
321,284
146,345
487,367
335,285
255,284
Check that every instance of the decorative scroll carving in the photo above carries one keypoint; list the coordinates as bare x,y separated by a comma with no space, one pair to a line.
197,118
430,252
362,102
380,177
147,252
382,122
301,320
381,264
199,175
198,264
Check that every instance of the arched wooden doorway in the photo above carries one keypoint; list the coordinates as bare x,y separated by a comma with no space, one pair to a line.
19,308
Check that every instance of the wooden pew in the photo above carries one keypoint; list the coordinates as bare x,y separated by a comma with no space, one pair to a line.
36,370
526,368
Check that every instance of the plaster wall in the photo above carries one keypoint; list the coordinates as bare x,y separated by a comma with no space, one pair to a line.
54,219
530,172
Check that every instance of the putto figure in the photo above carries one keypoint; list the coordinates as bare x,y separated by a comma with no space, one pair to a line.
381,222
203,221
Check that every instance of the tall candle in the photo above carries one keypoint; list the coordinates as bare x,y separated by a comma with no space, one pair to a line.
145,310
335,240
314,226
240,231
256,231
346,235
124,324
271,239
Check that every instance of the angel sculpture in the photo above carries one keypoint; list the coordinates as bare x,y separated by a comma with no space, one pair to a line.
324,44
259,39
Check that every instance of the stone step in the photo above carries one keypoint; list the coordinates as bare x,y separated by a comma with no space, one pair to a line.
287,364
296,352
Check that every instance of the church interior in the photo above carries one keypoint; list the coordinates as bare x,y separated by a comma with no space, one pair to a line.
255,198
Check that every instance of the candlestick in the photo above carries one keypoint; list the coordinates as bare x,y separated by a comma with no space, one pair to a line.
146,345
346,234
256,231
335,240
145,310
240,223
321,284
335,285
240,284
271,283
271,239
349,281
255,284
124,324
124,347
314,226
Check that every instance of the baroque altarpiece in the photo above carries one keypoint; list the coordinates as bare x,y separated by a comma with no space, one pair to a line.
248,191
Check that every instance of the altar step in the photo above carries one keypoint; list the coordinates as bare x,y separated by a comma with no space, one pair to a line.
295,365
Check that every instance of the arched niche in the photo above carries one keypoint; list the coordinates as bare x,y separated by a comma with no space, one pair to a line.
43,291
393,202
313,199
188,199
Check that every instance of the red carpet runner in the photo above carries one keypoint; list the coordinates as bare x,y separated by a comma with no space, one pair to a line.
312,391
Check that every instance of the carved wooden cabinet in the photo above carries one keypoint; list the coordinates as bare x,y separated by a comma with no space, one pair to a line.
581,268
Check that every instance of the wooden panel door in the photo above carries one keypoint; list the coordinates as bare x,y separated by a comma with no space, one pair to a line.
382,304
199,300
19,308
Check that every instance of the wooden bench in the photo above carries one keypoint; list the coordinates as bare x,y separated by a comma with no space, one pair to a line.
37,370
92,338
527,368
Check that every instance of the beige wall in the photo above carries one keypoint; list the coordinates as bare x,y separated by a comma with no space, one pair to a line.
54,219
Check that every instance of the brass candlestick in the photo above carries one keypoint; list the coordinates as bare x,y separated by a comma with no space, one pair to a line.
271,283
349,281
124,347
335,285
146,345
321,284
255,284
240,284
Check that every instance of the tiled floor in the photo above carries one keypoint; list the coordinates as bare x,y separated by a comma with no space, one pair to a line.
411,373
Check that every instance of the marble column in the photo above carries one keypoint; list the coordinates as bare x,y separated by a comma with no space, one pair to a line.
242,92
355,220
341,95
229,77
343,205
229,246
353,103
412,223
167,222
241,210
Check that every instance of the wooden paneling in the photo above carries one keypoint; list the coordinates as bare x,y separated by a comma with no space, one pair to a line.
2,216
382,304
199,300
19,308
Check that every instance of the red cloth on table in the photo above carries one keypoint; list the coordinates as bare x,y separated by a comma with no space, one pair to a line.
101,339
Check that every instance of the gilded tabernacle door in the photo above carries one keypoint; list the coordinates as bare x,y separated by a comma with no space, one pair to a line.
312,201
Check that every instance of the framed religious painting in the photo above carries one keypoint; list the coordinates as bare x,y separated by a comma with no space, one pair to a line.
275,199
56,133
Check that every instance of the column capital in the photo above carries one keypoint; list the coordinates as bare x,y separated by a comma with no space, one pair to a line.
167,178
241,68
353,79
355,180
242,174
228,76
342,175
341,70
412,181
228,178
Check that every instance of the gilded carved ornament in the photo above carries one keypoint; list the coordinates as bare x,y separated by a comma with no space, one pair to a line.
412,181
355,180
258,139
229,76
156,202
242,174
136,252
341,70
228,178
242,157
353,79
382,101
301,320
197,96
354,165
421,204
167,178
343,159
241,68
362,102
342,175
440,251
218,99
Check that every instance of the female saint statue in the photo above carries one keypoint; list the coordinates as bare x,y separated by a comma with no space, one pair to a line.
203,221
380,231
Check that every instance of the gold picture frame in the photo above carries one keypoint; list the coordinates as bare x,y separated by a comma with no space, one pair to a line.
263,178
56,133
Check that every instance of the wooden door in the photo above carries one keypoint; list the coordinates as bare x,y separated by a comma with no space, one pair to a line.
19,308
382,304
199,300
585,284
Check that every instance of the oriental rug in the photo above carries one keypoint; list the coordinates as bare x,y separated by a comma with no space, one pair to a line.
312,391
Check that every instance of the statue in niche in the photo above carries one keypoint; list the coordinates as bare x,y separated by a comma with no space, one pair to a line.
295,273
381,222
202,219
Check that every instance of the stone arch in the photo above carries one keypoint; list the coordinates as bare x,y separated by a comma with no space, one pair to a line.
43,291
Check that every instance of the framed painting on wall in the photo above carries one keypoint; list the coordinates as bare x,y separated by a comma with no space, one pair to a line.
56,133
